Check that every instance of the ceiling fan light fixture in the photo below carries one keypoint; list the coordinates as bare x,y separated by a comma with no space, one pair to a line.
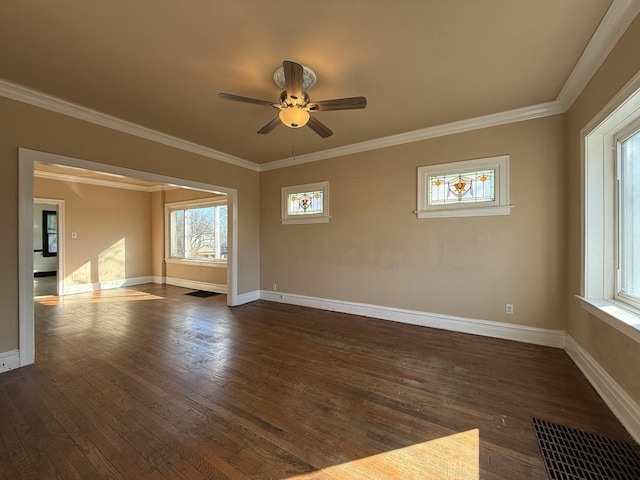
294,116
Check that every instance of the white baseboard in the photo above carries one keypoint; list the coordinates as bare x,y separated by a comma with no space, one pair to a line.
9,360
159,280
207,287
248,297
98,286
620,403
538,336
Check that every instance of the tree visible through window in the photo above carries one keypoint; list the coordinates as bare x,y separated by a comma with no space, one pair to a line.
198,232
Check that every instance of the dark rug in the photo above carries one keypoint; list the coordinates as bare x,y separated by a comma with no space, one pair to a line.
573,454
202,294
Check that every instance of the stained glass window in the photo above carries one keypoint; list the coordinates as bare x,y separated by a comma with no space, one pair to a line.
462,187
307,203
468,188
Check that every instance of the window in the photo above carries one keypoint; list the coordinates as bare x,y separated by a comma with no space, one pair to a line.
611,222
307,203
49,233
468,188
197,231
628,170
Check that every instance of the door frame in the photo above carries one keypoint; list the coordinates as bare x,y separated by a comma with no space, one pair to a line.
26,160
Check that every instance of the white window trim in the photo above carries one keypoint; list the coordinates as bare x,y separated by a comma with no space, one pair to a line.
222,263
323,217
500,206
599,225
168,207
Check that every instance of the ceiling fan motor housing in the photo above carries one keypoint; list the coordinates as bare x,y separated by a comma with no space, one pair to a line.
308,78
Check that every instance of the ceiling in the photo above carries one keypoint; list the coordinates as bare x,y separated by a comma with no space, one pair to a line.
420,63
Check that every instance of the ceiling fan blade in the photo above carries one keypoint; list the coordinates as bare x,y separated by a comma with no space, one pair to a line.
238,98
293,76
270,126
319,127
350,103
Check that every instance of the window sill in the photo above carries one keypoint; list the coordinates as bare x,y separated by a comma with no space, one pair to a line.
301,220
465,212
197,263
620,316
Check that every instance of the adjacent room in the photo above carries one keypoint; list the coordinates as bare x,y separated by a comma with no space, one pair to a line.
338,239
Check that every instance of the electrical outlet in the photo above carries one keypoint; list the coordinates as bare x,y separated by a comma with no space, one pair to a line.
508,309
274,287
74,278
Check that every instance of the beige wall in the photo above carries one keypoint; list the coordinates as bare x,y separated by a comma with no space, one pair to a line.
26,126
120,233
113,237
617,353
196,273
374,250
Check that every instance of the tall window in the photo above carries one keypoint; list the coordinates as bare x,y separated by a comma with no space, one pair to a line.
628,284
197,231
611,223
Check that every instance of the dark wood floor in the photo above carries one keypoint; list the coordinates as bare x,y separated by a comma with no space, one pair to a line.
147,382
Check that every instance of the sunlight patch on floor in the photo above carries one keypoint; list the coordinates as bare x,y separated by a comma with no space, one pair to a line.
104,296
455,457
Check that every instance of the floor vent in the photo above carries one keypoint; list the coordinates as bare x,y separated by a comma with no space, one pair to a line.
573,454
202,294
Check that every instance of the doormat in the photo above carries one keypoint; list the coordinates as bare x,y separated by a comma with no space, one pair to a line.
573,454
202,294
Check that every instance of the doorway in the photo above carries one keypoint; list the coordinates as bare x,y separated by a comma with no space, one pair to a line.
48,254
26,162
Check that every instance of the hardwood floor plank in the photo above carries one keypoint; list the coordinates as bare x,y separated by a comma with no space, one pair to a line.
146,382
68,458
228,442
34,438
106,460
130,411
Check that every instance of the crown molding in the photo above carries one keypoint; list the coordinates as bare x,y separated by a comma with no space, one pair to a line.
65,177
613,25
493,120
22,94
615,22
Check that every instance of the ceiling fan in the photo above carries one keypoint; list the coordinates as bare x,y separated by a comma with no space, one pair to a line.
294,103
